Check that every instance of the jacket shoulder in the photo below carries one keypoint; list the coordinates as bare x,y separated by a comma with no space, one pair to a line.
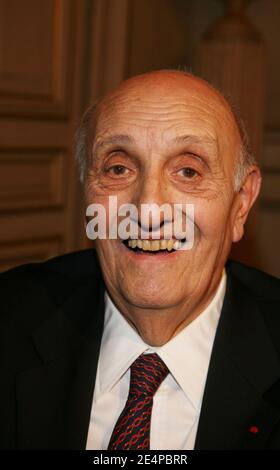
72,265
28,287
262,285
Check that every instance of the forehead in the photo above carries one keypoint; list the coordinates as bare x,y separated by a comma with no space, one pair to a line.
157,112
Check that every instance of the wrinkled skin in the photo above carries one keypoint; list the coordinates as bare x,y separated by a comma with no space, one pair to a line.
168,137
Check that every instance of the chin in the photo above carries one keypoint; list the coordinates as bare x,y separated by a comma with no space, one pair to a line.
150,298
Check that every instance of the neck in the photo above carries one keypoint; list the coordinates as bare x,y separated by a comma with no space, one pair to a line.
157,326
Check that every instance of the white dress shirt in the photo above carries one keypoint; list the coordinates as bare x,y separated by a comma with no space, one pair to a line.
177,402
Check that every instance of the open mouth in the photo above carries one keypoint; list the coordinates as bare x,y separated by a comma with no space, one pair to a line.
154,247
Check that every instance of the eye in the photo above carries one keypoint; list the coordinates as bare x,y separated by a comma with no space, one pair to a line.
188,172
117,170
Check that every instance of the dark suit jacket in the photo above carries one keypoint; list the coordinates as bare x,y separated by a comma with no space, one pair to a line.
51,326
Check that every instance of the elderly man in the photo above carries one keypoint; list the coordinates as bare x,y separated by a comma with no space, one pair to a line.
140,344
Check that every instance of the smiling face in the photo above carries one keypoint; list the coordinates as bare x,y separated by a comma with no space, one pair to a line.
167,138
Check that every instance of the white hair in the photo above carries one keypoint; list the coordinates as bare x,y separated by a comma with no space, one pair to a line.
82,138
245,160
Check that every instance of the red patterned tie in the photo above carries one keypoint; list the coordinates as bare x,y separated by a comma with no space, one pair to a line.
132,430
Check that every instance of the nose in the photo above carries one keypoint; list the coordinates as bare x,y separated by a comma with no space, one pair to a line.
151,196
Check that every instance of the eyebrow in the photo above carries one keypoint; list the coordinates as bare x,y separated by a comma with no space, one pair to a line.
194,139
124,139
117,139
204,140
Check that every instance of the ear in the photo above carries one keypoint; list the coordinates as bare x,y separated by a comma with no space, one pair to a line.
245,199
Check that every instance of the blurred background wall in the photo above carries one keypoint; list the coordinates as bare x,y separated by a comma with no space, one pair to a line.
57,56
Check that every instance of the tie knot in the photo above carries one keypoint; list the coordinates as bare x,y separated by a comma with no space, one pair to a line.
147,373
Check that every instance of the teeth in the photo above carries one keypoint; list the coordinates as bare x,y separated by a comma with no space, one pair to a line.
163,244
146,245
155,245
170,245
177,244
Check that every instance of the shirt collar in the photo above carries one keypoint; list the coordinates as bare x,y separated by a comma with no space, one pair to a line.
187,355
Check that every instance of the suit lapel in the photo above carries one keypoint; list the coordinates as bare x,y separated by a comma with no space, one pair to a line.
54,400
236,410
